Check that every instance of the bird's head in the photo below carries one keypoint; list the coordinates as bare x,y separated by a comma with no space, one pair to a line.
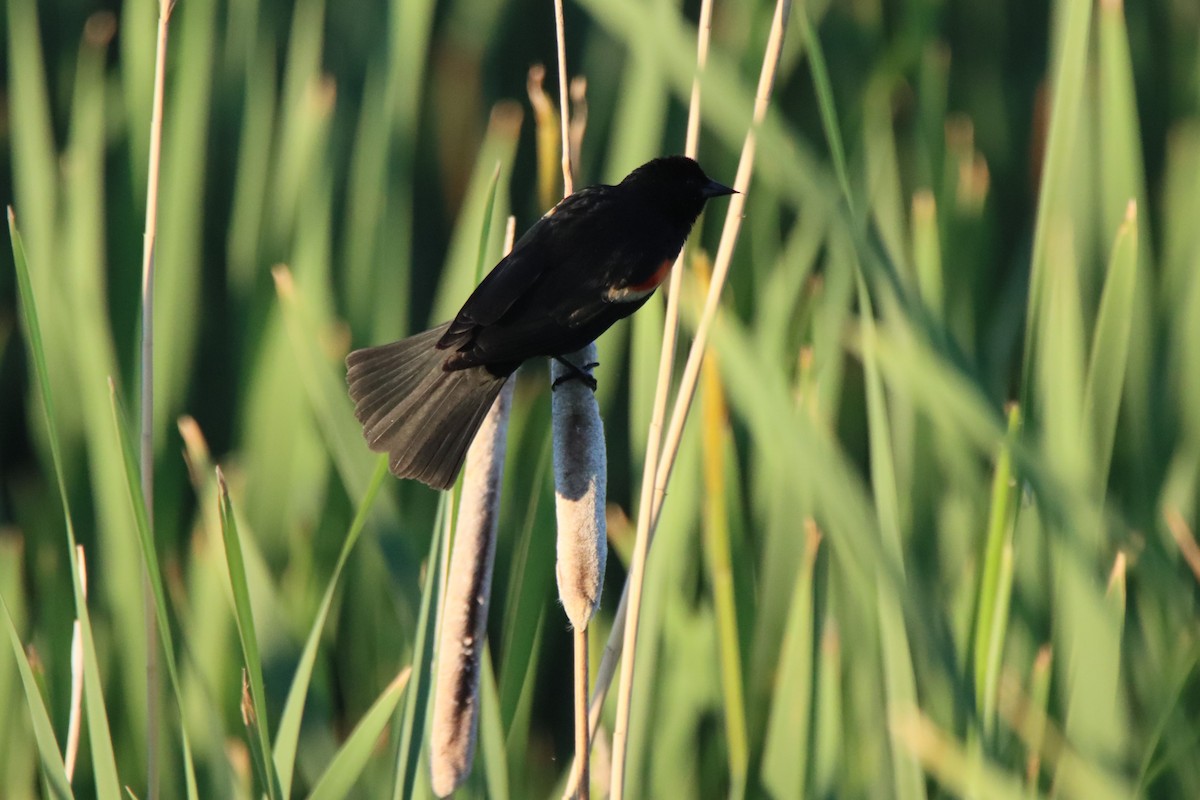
676,184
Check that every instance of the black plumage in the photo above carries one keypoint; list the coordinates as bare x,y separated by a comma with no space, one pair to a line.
592,260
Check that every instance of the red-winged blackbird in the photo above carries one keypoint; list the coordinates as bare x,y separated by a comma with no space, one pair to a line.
595,258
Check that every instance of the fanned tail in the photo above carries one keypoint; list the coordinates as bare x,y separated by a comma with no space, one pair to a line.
422,415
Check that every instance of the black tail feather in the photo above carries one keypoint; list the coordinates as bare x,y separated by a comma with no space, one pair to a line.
422,415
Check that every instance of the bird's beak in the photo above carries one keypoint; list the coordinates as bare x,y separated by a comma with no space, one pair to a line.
714,189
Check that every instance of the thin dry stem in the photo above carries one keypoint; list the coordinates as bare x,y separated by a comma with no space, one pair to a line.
580,774
612,648
563,105
147,388
73,721
648,512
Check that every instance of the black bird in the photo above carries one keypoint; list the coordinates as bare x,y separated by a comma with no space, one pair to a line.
593,259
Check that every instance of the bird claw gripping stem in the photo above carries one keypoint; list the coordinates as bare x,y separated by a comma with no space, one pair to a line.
580,374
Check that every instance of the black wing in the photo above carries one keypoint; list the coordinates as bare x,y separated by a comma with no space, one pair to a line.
538,251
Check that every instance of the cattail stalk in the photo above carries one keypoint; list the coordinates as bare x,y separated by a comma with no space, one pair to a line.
463,632
580,461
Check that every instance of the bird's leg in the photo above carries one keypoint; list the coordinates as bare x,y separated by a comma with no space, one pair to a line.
580,374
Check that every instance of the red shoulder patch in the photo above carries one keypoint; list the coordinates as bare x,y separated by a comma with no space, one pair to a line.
656,278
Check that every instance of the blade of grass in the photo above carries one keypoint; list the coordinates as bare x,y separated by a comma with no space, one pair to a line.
927,253
1123,178
19,762
411,35
788,748
343,771
254,703
953,766
92,355
899,679
532,565
828,729
34,158
104,762
491,733
1110,347
287,737
419,698
717,441
153,580
181,218
995,585
246,229
53,771
1069,66
825,101
357,467
487,191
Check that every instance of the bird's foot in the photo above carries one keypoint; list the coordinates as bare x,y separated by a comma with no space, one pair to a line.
575,373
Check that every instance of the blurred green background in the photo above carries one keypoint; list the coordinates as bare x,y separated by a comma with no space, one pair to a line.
878,588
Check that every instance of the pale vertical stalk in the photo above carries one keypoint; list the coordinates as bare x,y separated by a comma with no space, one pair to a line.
661,472
729,235
463,629
581,774
612,649
563,97
580,463
73,721
147,387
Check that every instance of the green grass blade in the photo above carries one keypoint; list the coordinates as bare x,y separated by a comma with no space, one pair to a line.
829,733
483,262
179,252
357,466
150,564
1120,140
344,770
246,229
92,354
789,743
53,770
497,149
531,569
1123,179
927,252
34,159
287,737
995,586
18,744
1039,698
898,676
964,774
255,706
716,443
1069,69
108,786
1110,347
494,758
420,698
825,101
